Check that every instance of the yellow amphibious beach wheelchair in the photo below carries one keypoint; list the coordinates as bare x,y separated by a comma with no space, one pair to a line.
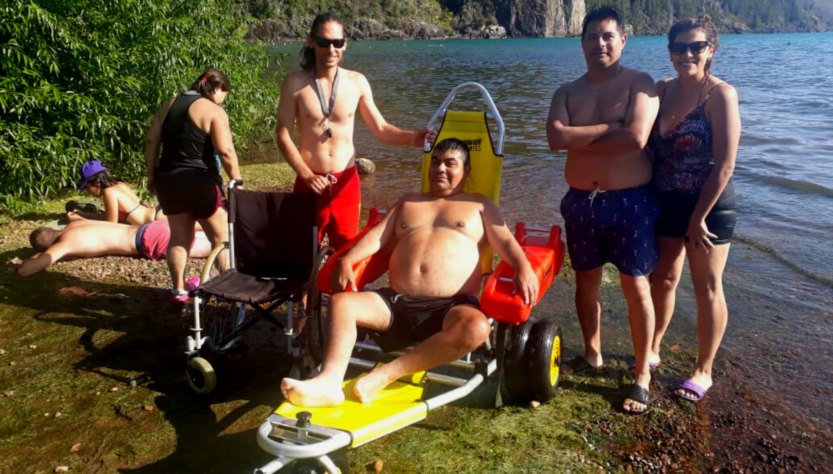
314,440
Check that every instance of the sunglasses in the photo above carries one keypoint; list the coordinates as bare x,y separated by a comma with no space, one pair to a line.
696,47
326,43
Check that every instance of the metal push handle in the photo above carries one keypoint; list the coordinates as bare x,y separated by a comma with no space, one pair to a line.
486,97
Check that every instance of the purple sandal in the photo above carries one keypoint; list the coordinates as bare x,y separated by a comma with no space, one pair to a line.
692,388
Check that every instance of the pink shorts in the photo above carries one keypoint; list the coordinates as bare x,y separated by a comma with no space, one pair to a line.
152,240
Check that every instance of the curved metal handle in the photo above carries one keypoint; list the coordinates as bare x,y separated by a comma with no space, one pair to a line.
299,451
486,97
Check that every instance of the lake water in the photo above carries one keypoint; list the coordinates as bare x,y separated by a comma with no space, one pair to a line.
779,279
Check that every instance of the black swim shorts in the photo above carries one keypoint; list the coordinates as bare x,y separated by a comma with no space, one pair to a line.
677,209
189,191
415,319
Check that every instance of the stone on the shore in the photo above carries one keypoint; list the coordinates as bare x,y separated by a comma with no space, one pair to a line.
365,166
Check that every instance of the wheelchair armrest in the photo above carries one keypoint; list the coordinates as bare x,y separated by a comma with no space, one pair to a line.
367,271
544,253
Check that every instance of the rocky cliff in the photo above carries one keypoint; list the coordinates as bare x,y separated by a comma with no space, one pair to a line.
540,18
436,19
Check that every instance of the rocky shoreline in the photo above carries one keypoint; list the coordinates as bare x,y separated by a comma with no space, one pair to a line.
273,30
523,25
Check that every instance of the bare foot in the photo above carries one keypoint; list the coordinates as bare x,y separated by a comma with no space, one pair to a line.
367,387
312,393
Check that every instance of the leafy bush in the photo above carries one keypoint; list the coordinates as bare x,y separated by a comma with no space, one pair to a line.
81,80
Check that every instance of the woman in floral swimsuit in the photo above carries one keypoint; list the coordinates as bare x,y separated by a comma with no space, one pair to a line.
694,142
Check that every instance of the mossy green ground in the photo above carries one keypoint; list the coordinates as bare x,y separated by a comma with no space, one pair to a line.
107,354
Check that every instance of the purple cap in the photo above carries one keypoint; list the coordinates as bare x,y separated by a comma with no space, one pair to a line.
90,169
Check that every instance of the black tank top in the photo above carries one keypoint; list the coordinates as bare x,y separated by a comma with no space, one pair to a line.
184,144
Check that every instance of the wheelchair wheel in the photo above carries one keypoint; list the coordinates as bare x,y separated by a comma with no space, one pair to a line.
201,376
302,367
317,312
217,262
219,318
544,358
516,369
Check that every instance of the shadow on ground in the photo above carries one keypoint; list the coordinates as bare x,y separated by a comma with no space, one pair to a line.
112,357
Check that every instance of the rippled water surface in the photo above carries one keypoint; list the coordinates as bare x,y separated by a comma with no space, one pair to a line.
780,272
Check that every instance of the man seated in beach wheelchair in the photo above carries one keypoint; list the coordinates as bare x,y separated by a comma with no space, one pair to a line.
434,242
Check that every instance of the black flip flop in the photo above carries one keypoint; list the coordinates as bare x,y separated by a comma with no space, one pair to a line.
579,364
638,394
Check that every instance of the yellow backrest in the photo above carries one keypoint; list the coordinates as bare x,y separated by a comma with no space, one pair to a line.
486,166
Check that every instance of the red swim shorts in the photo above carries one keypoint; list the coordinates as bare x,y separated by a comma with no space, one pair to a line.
338,206
152,240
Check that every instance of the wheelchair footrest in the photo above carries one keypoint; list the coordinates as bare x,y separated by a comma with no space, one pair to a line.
398,405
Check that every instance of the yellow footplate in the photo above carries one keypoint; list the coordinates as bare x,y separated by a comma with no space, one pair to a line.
395,407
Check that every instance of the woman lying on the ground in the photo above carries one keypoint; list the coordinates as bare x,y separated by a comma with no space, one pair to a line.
121,204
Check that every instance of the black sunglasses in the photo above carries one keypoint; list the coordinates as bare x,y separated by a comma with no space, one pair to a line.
696,47
325,43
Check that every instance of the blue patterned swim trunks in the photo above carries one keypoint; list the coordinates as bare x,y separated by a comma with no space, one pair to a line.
612,226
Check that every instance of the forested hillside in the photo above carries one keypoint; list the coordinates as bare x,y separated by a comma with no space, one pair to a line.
392,19
737,16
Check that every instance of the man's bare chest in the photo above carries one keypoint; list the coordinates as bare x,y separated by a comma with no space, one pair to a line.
346,103
591,108
460,217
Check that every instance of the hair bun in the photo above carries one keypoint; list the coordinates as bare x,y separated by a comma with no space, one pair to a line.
705,17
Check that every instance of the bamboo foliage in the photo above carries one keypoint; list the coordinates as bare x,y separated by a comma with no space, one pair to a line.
81,80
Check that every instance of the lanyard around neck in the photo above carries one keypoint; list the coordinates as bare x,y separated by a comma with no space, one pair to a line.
327,109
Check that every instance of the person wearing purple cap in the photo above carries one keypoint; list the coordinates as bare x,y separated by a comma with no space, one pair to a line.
189,129
121,204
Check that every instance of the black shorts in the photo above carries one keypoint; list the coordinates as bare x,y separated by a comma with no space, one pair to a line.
677,209
415,319
189,191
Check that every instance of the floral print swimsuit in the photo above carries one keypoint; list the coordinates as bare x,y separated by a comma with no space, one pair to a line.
683,161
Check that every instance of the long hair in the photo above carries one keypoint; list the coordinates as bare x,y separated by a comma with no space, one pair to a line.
103,179
703,21
307,53
209,80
